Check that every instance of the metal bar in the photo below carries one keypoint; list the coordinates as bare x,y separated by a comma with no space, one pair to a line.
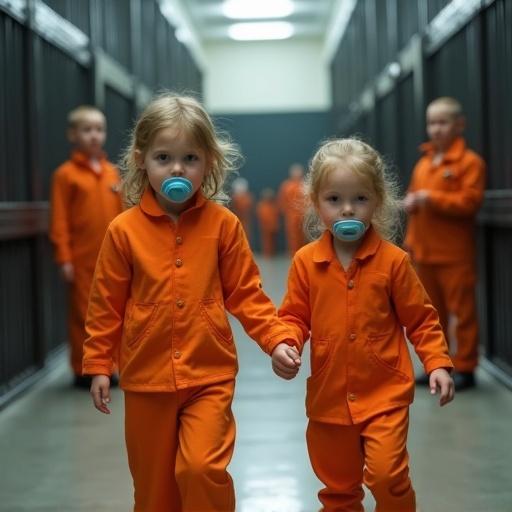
23,219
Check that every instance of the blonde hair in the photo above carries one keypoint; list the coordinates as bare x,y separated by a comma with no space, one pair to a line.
450,104
77,115
187,115
366,162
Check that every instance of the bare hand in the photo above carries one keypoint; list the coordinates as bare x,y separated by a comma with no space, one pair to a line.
441,381
67,271
421,197
100,392
410,202
285,361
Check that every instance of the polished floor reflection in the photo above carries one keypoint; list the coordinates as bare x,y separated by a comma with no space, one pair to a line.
58,454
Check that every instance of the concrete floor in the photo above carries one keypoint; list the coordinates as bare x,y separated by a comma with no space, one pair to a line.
57,454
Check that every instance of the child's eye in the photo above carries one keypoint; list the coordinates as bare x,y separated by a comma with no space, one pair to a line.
191,158
332,199
162,157
362,198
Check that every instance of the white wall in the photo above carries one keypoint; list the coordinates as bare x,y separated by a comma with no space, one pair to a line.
266,77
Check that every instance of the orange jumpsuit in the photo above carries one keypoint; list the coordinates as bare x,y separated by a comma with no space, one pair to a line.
268,218
362,379
83,203
242,203
441,239
291,203
159,299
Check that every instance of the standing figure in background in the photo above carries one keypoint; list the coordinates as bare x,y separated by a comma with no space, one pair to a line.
84,200
445,193
268,219
242,203
291,203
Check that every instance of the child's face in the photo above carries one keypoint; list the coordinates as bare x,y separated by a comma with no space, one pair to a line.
89,134
172,154
443,126
345,195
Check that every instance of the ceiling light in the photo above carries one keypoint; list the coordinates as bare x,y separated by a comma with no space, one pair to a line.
260,31
247,9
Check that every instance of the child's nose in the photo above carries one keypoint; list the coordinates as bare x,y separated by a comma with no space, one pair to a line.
347,210
177,169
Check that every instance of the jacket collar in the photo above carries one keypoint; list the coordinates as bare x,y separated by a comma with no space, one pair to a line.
324,249
453,153
82,159
149,204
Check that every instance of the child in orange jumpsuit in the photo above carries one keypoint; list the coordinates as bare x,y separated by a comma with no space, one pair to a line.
242,203
354,292
445,193
268,220
291,203
169,268
84,200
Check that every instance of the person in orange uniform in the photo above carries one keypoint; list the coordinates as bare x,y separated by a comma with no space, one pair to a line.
354,292
242,203
84,200
268,220
444,195
168,270
291,203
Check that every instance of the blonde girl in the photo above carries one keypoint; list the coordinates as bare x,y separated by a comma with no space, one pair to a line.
169,268
352,292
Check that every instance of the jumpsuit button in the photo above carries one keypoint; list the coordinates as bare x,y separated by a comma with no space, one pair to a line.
351,284
177,354
179,240
180,303
179,263
352,397
352,337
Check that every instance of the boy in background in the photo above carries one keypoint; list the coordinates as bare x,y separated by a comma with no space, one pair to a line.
84,200
442,201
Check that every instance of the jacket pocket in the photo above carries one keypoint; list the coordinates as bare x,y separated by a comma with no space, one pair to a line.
139,322
215,317
385,351
320,352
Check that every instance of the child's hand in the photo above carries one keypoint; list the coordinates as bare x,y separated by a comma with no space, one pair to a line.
409,203
440,380
100,392
285,361
68,272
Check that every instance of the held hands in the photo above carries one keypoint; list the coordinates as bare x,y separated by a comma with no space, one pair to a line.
285,361
68,272
100,392
440,380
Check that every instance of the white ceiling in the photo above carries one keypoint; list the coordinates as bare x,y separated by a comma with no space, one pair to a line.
310,18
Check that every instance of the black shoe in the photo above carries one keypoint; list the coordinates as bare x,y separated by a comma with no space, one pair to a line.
82,382
464,380
423,380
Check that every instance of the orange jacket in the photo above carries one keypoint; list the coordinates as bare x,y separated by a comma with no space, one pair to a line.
83,203
443,230
268,216
159,297
360,363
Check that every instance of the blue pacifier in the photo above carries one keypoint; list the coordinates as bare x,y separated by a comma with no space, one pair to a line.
348,230
177,190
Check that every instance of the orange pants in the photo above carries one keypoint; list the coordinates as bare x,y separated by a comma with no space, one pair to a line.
452,291
268,243
294,233
373,452
79,298
179,445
